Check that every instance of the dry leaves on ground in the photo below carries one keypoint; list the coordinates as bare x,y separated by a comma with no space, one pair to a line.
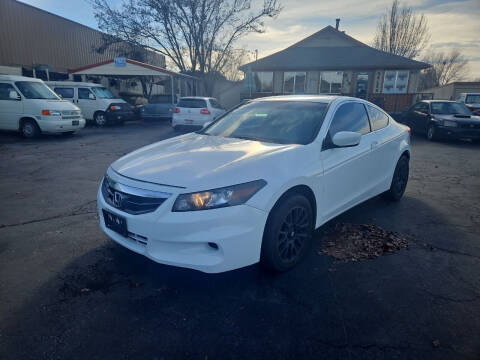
353,242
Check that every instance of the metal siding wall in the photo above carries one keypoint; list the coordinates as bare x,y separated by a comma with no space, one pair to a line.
31,36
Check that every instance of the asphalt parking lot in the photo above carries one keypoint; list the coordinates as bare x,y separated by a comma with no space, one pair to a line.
68,292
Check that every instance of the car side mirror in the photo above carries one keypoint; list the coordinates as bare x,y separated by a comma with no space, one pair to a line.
91,96
346,139
13,95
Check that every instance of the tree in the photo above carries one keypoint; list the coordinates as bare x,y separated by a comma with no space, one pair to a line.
198,36
402,32
446,67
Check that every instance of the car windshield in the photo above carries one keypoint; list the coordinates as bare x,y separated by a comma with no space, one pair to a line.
103,93
282,122
473,99
36,90
445,108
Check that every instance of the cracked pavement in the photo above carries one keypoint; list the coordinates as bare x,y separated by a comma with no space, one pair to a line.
67,291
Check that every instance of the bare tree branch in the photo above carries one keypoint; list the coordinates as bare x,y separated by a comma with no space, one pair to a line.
402,32
446,67
198,36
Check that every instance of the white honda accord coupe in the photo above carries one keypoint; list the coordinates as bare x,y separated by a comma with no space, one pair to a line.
253,185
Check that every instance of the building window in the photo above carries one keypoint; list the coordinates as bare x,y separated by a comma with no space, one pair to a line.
294,82
331,82
263,81
395,82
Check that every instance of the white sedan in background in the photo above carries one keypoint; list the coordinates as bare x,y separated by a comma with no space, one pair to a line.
253,185
196,111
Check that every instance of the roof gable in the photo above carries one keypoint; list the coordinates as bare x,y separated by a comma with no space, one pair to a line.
330,49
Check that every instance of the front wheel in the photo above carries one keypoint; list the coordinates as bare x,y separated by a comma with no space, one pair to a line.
399,180
432,133
30,129
288,233
100,119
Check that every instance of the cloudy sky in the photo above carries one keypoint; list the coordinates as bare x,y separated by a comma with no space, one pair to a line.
453,23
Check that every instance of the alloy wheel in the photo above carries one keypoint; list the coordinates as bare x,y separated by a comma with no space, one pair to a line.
401,178
293,234
100,120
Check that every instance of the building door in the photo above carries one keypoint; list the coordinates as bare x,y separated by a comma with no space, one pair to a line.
361,87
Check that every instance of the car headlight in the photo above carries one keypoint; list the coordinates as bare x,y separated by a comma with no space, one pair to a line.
217,198
51,113
450,123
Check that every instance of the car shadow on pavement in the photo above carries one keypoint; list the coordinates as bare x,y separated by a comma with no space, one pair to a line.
112,303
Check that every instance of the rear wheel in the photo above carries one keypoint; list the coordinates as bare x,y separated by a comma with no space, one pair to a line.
100,119
30,129
288,233
399,180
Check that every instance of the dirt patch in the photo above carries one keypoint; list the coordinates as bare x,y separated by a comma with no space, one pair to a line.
353,242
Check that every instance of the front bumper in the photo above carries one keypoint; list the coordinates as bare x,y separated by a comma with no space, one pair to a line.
182,238
119,116
459,132
59,126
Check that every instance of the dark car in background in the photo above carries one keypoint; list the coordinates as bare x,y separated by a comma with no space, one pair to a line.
159,107
442,119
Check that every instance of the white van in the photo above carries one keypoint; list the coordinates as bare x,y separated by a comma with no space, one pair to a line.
29,106
97,103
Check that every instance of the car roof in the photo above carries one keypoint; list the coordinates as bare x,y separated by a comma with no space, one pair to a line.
434,101
308,98
72,83
197,97
18,78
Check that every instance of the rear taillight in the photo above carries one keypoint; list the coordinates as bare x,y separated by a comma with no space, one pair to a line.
205,111
176,110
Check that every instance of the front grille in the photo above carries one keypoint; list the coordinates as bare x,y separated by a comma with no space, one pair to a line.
131,200
71,113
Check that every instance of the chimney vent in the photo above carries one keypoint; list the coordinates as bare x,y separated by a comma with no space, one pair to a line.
338,23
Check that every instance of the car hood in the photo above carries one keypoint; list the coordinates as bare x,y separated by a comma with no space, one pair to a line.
471,119
198,162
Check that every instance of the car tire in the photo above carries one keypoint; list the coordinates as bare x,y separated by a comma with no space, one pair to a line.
432,132
288,233
399,180
100,119
30,129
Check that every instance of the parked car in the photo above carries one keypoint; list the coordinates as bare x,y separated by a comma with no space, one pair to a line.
159,107
254,184
472,100
196,111
97,103
29,106
441,118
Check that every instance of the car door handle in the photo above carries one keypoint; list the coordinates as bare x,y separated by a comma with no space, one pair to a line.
374,144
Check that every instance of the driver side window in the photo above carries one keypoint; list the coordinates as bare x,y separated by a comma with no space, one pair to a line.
350,117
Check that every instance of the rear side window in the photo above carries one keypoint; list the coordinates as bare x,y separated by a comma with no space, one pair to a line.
5,89
378,119
66,93
215,104
421,107
350,117
84,93
192,103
